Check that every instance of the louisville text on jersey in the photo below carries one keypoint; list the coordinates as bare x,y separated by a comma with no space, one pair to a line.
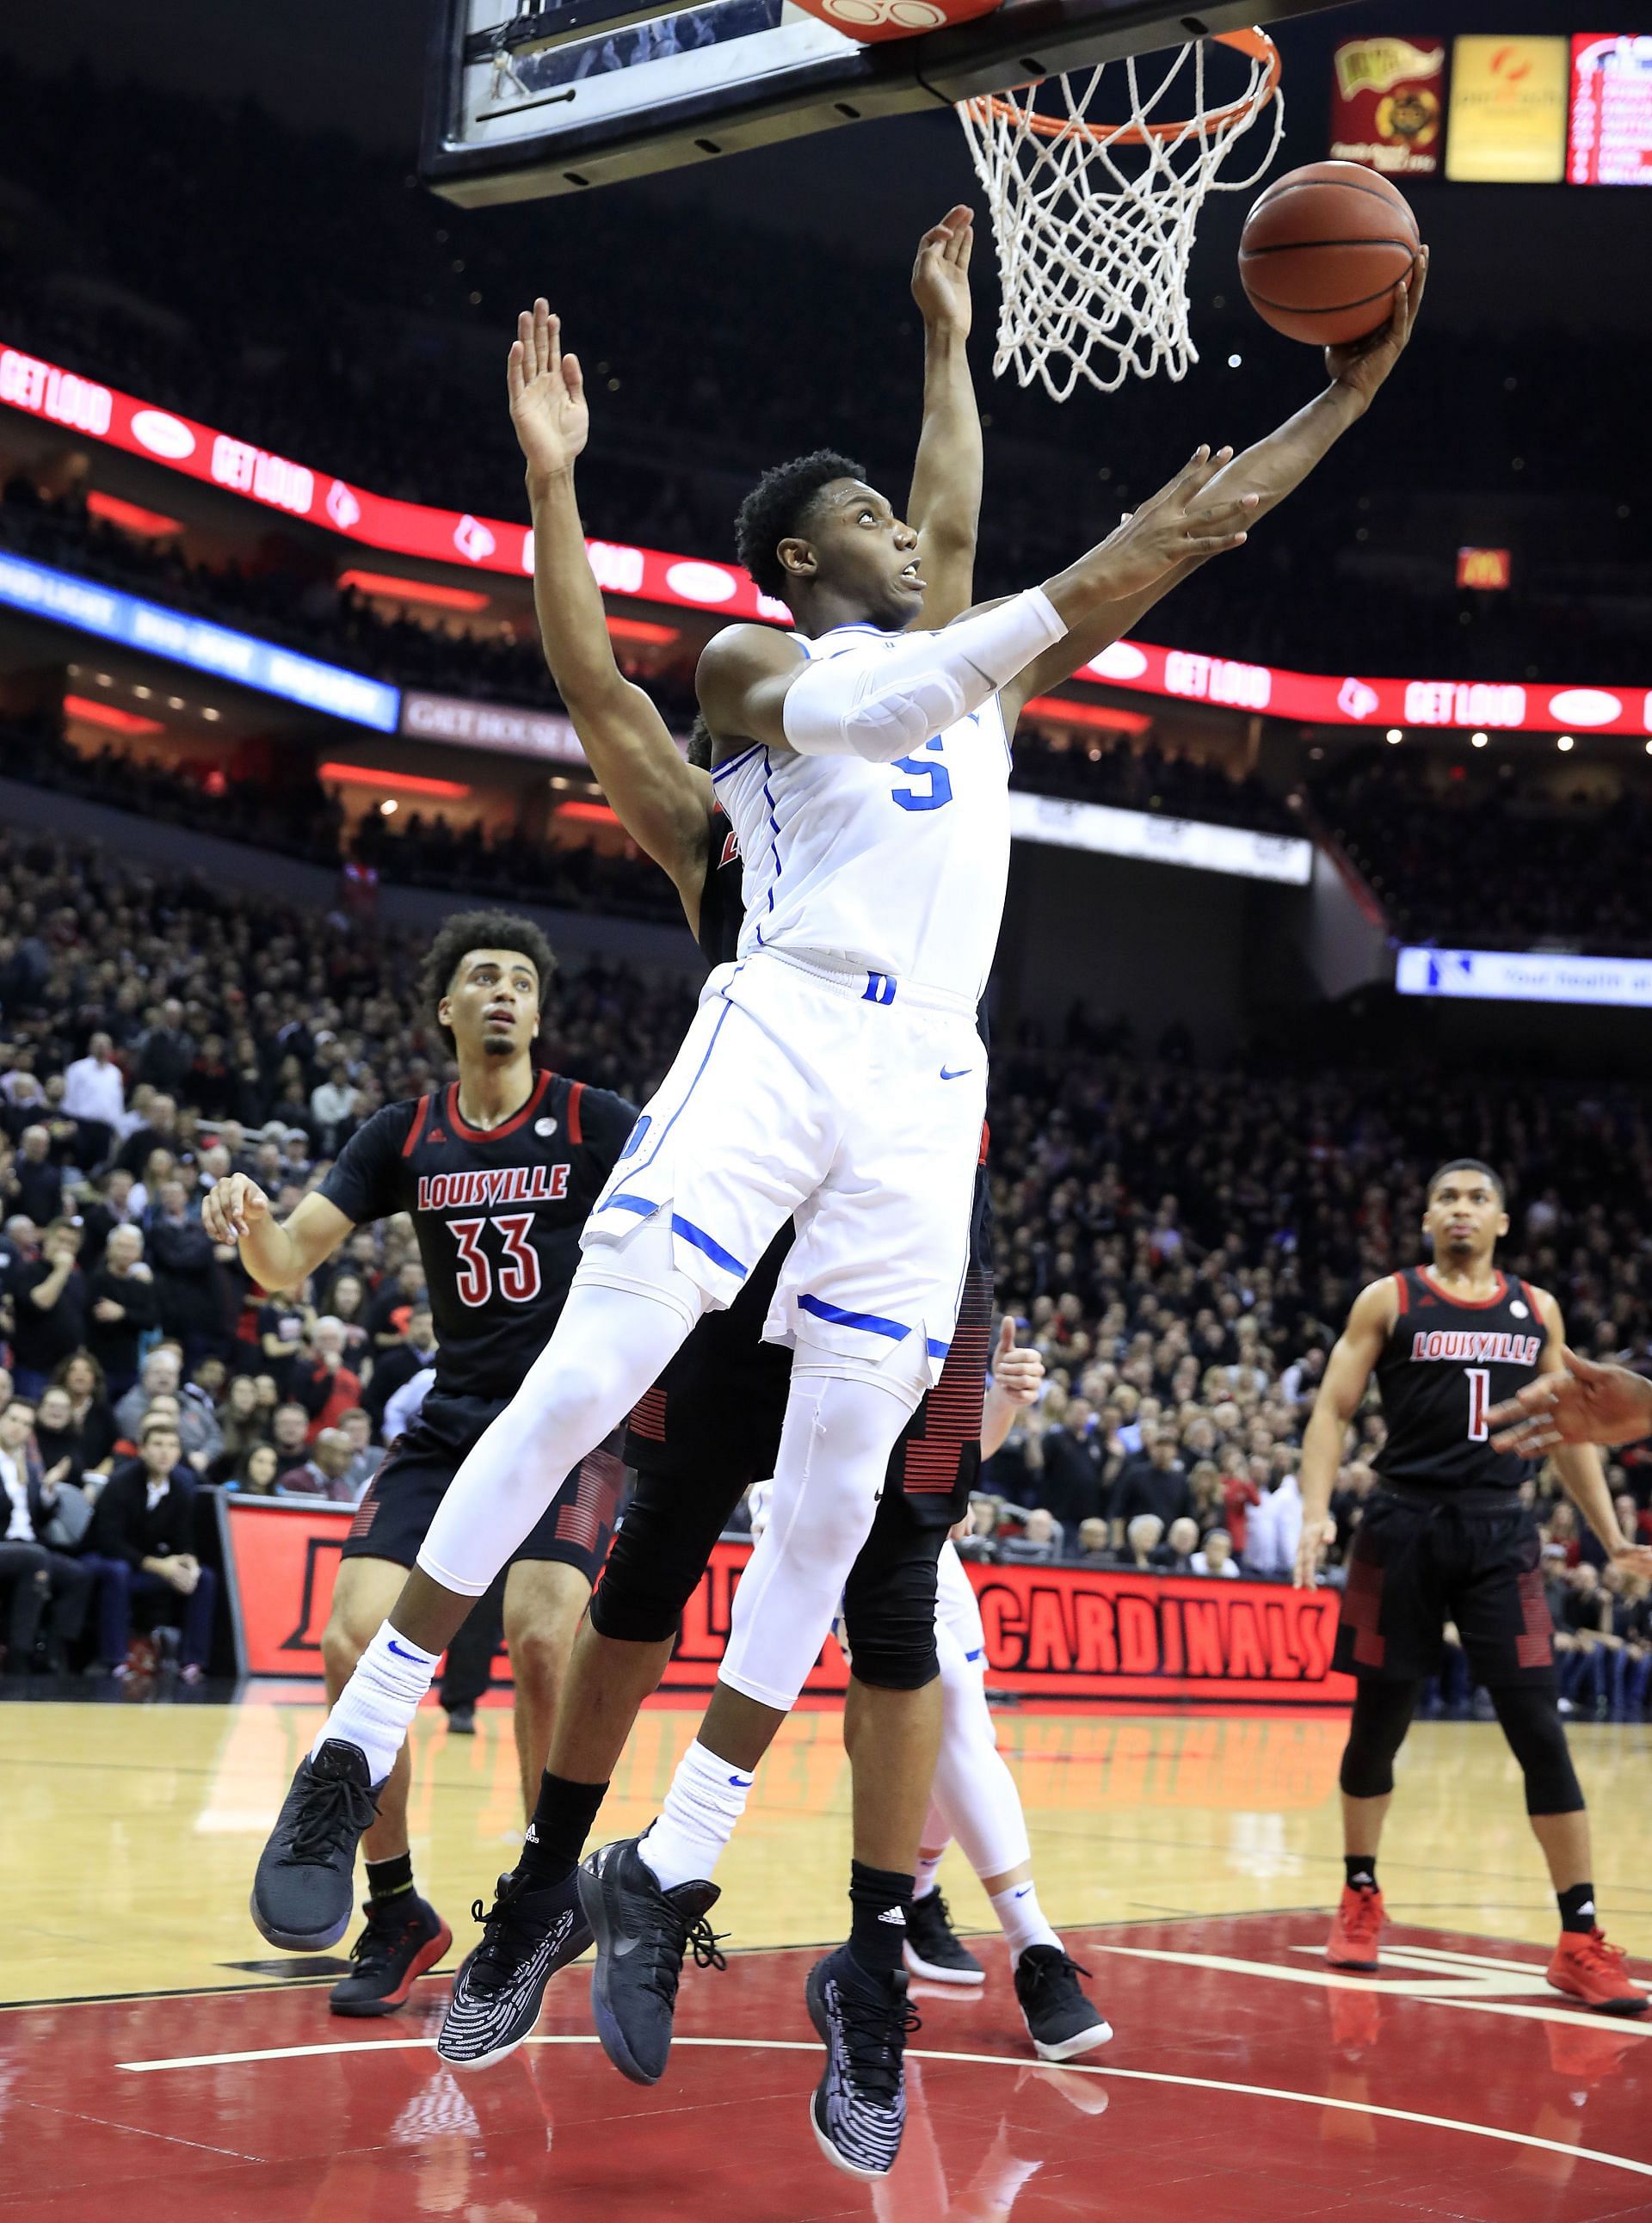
463,1192
1478,1347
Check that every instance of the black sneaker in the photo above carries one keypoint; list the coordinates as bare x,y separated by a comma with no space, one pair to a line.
932,1947
527,1934
1060,2020
859,2109
461,1721
301,1895
404,1936
642,1933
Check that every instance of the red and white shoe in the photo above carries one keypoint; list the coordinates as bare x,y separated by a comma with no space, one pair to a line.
1357,1926
1588,1969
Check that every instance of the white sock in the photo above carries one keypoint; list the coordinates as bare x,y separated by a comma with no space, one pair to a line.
924,1875
376,1706
1022,1919
706,1799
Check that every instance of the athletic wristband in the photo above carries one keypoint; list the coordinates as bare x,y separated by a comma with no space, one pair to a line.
882,700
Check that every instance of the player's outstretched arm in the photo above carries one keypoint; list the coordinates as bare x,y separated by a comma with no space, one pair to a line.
887,697
1347,1375
1264,474
663,803
1579,1465
944,505
1017,1377
277,1254
1583,1403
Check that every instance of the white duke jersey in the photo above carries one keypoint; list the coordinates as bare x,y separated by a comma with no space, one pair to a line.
899,867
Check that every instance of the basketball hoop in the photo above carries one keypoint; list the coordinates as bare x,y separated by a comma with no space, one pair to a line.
1094,222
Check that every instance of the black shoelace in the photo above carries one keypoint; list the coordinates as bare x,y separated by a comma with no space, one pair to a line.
1059,1975
875,2031
511,1931
936,1911
383,1933
335,1812
677,1937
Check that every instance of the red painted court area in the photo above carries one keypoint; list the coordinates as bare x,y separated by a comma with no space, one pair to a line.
1241,2084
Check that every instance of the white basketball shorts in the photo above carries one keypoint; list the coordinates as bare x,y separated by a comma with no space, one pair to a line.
847,1101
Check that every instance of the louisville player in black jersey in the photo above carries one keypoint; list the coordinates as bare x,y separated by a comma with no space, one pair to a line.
1447,1538
498,1171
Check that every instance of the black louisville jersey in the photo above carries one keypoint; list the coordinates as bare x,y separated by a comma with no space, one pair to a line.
722,1399
497,1211
1445,1365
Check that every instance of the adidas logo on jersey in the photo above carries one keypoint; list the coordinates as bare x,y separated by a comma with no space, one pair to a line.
436,1135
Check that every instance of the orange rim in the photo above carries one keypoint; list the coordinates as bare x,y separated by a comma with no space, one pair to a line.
1255,46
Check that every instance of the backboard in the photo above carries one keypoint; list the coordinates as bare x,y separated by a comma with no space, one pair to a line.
562,94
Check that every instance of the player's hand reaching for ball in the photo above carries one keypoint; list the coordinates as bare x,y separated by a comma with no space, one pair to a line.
941,273
1587,1404
1017,1376
1363,366
1315,1540
233,1205
547,394
1175,524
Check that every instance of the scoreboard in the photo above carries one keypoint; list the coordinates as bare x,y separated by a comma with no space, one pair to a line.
1609,133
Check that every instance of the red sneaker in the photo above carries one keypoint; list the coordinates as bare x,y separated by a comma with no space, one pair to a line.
1589,1970
1357,1926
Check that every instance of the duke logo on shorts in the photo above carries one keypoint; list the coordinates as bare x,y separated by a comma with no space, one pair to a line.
834,1074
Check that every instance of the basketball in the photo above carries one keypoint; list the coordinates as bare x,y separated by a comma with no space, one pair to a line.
873,21
1323,250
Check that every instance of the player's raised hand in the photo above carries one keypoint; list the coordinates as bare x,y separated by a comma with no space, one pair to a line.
547,393
1017,1375
1176,523
1363,365
941,273
1587,1404
1315,1540
232,1207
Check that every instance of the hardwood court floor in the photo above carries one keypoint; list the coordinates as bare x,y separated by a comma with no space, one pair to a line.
1196,1855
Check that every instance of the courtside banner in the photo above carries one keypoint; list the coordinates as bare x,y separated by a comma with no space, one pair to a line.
95,411
1052,1633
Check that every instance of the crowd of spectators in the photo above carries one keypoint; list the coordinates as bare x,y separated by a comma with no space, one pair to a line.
1498,856
1181,1245
291,328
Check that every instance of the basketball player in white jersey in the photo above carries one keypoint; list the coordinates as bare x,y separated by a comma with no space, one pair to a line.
833,1075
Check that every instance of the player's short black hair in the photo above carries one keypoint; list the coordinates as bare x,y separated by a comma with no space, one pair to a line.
481,930
779,506
699,748
1467,1165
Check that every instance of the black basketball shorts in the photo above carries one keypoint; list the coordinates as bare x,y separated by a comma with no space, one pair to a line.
1419,1562
393,1518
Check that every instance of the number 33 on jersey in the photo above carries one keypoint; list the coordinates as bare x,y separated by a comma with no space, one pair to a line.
497,1213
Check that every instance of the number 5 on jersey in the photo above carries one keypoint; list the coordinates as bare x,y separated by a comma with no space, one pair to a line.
937,789
519,1269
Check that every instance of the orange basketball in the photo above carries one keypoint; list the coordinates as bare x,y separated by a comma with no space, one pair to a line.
1323,250
871,21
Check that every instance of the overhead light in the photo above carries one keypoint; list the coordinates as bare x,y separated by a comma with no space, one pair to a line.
1477,740
105,679
1395,734
110,715
174,702
146,524
391,587
142,693
1101,716
388,808
642,630
1564,742
1234,361
405,782
214,715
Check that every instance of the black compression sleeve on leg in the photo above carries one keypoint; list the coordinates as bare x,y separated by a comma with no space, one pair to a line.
1531,1721
1382,1715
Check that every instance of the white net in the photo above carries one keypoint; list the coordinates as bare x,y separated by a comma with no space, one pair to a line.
1094,222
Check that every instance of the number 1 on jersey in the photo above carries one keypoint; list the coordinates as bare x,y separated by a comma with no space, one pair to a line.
1480,1402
